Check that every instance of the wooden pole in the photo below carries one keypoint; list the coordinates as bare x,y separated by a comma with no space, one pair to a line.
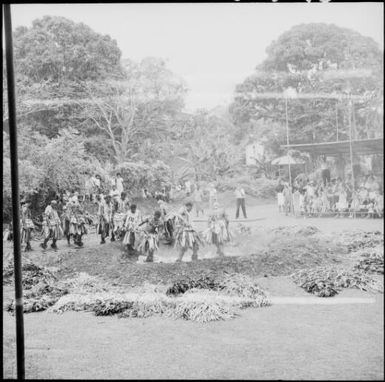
337,119
288,157
15,194
350,102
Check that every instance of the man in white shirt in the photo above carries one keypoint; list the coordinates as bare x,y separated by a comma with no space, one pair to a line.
212,196
240,197
119,183
188,187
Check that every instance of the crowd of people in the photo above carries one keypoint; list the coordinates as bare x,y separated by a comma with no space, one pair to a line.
331,197
121,220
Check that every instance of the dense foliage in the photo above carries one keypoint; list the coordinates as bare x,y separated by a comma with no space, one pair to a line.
83,110
316,59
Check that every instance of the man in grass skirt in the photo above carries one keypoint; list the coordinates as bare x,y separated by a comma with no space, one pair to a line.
51,225
67,212
77,224
131,228
149,237
106,214
168,218
218,232
27,225
121,207
185,235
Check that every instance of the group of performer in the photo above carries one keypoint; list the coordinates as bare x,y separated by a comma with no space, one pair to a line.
119,220
73,224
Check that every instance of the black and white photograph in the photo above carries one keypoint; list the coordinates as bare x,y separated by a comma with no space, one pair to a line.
193,191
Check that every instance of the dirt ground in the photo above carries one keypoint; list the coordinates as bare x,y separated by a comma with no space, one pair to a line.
284,341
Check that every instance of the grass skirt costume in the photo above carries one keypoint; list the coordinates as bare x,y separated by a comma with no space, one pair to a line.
26,230
185,236
217,232
118,224
77,225
105,225
52,230
148,242
132,229
149,238
169,226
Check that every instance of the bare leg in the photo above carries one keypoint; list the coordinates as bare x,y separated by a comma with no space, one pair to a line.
181,254
150,256
194,256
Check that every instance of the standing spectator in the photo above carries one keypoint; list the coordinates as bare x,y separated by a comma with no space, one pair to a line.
188,187
27,225
198,200
310,189
88,185
123,203
95,186
355,204
302,207
170,193
119,183
296,206
51,225
280,198
379,205
240,197
287,195
325,201
325,172
212,196
317,203
145,193
342,204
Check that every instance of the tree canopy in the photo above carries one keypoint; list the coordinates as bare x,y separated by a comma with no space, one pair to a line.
56,49
315,59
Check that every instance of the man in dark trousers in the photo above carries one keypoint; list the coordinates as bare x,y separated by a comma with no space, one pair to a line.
240,196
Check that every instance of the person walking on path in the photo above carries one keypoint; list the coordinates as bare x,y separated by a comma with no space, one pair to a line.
119,183
27,225
198,200
240,197
218,232
52,225
212,196
186,237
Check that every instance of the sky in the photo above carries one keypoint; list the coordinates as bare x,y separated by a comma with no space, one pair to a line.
212,46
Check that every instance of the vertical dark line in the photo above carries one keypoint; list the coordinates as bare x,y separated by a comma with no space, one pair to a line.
15,193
